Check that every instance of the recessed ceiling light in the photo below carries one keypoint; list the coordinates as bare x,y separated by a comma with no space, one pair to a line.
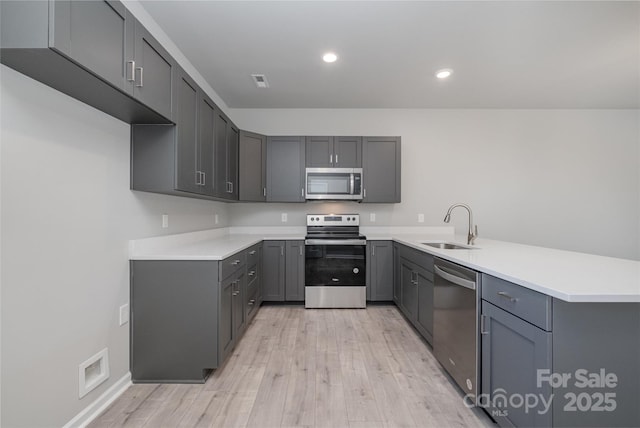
444,73
329,57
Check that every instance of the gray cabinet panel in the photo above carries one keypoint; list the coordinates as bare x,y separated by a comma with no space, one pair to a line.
425,304
285,169
96,34
294,265
381,169
380,271
319,152
347,152
252,180
512,353
409,284
273,273
397,284
174,317
232,161
238,305
225,322
206,135
187,178
152,72
221,129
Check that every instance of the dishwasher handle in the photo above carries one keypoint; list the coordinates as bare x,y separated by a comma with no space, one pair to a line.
454,279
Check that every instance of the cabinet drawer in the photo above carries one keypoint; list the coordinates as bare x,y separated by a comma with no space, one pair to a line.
233,263
420,258
253,254
527,304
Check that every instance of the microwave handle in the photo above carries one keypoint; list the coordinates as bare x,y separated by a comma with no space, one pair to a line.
353,184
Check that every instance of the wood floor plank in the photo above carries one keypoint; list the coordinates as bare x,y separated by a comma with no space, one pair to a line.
310,368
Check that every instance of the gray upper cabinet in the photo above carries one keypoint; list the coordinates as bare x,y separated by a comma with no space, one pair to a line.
187,148
379,271
225,158
152,69
333,152
381,169
294,265
206,140
94,51
252,170
285,169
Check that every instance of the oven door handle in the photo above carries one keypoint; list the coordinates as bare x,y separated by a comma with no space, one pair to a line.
335,242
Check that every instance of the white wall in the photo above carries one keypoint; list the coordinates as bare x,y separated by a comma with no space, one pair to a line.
566,179
67,215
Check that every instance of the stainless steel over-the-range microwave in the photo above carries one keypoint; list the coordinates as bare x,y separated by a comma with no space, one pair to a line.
334,183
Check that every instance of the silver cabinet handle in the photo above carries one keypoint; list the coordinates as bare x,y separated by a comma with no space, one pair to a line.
264,192
330,159
251,273
302,192
364,193
252,252
373,250
235,262
141,84
301,250
482,324
336,159
282,250
131,75
507,296
251,302
235,293
204,178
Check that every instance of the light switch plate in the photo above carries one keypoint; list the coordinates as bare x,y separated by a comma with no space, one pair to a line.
165,221
124,314
283,217
372,217
421,218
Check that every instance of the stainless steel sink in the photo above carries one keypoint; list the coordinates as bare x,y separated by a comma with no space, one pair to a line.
449,245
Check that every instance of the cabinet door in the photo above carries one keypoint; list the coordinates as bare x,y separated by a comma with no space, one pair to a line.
294,278
221,129
238,305
273,271
206,120
232,161
225,322
319,152
409,284
347,152
285,169
98,35
187,174
380,267
381,169
425,303
512,353
152,73
397,289
252,178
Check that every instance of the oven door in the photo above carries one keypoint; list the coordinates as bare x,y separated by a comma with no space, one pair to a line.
335,263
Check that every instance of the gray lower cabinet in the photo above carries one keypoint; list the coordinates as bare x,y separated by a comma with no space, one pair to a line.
380,279
381,169
536,348
187,316
56,42
414,289
273,278
285,169
283,271
252,170
294,266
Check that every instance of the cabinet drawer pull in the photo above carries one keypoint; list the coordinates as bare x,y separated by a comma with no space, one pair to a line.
251,273
251,302
336,159
235,262
252,252
482,324
264,192
507,296
330,159
235,293
131,75
204,178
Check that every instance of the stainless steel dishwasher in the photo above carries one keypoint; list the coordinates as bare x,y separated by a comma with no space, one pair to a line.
455,323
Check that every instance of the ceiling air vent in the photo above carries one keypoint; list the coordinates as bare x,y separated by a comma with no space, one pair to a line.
260,80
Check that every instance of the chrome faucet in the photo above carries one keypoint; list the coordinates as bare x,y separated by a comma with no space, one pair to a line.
473,230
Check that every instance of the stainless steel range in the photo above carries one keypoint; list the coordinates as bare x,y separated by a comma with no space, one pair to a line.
335,262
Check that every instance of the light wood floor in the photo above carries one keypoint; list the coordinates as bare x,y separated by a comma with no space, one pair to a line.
310,368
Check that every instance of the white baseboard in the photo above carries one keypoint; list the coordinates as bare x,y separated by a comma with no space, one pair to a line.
90,412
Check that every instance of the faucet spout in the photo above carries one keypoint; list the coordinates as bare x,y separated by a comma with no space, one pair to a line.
473,230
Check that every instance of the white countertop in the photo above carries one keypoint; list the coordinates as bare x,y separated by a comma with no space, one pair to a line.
566,275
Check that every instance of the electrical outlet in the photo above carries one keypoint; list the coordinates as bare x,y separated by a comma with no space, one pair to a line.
165,221
216,219
124,314
283,217
420,218
372,217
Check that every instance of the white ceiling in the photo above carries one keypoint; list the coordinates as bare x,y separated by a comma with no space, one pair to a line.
505,54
